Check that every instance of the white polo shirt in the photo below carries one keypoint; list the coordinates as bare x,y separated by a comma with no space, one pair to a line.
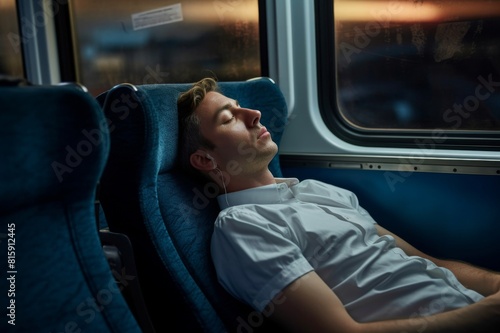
267,237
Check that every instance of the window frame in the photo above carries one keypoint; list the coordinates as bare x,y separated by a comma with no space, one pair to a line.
327,100
65,42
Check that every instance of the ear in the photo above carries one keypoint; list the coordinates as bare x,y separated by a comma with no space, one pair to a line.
201,160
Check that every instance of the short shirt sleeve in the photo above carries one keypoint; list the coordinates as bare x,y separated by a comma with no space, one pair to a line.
255,258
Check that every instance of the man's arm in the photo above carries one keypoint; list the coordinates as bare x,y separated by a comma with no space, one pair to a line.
309,305
478,279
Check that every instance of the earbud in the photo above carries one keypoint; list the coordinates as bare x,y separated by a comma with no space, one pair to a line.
213,160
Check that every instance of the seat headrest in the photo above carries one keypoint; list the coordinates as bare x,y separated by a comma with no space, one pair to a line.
158,126
41,153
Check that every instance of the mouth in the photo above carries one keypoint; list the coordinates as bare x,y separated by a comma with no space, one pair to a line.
263,132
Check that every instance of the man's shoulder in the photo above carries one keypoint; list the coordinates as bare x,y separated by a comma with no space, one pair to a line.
252,216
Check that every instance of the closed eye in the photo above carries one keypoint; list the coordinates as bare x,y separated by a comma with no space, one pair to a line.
229,120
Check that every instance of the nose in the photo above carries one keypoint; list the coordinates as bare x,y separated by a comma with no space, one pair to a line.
250,116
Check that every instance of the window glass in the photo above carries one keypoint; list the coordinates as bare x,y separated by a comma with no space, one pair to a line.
421,65
11,59
161,41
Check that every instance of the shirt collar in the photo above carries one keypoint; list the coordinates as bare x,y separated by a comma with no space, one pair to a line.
267,194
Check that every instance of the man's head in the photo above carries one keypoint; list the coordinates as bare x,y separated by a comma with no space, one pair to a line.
217,133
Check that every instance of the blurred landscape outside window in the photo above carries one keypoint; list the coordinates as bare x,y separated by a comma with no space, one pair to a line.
418,65
11,59
153,41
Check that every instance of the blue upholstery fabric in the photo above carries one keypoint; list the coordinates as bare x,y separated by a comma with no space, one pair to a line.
54,144
168,216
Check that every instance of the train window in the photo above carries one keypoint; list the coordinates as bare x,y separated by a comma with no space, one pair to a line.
402,68
11,59
161,41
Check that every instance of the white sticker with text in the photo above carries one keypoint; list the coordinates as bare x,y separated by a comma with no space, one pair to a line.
155,17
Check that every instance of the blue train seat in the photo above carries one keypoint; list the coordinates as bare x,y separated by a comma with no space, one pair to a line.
167,215
54,143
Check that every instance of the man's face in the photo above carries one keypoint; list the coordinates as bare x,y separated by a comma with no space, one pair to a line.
240,140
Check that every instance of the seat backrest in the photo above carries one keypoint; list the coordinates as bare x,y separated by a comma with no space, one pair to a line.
167,215
54,143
